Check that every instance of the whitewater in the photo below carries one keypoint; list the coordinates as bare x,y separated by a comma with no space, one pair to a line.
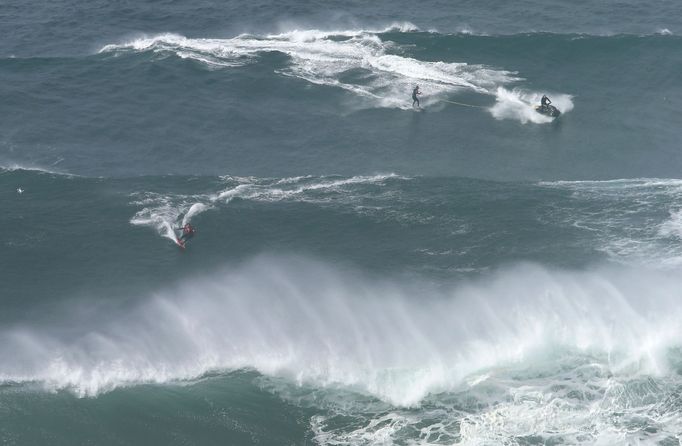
569,343
371,336
383,75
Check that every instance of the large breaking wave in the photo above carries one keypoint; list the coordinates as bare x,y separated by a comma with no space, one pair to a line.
313,324
378,71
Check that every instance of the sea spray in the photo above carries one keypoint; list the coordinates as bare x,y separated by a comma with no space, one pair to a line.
395,340
520,105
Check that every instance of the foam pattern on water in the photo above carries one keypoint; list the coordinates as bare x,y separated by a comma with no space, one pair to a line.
383,75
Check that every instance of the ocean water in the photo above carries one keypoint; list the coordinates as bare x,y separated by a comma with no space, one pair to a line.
363,273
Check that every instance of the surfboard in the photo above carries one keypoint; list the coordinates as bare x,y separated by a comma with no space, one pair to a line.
179,243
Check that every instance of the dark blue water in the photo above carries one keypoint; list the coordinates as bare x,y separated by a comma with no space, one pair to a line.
363,272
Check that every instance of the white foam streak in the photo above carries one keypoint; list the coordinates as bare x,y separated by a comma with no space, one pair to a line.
394,340
13,167
324,57
165,212
619,184
163,218
195,209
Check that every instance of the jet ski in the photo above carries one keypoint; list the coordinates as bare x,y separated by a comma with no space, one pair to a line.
548,110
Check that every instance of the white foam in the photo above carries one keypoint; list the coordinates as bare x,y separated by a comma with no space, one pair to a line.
13,167
323,57
166,212
520,105
403,27
164,218
577,403
628,216
395,340
618,182
673,226
195,209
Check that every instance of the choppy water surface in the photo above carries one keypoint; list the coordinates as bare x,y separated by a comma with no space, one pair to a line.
363,273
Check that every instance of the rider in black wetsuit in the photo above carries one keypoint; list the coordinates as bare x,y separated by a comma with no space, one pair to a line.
544,102
415,93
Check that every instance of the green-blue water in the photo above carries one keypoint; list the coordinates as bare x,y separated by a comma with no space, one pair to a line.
362,273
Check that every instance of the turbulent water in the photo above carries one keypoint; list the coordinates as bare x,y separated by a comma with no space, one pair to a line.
363,273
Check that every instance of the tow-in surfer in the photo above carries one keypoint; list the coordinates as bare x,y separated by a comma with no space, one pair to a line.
415,98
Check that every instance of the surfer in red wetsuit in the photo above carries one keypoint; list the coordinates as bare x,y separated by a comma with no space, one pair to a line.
187,233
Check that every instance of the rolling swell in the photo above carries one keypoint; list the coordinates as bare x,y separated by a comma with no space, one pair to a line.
299,102
442,228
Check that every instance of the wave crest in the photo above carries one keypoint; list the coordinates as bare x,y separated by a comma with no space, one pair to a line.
382,74
396,340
